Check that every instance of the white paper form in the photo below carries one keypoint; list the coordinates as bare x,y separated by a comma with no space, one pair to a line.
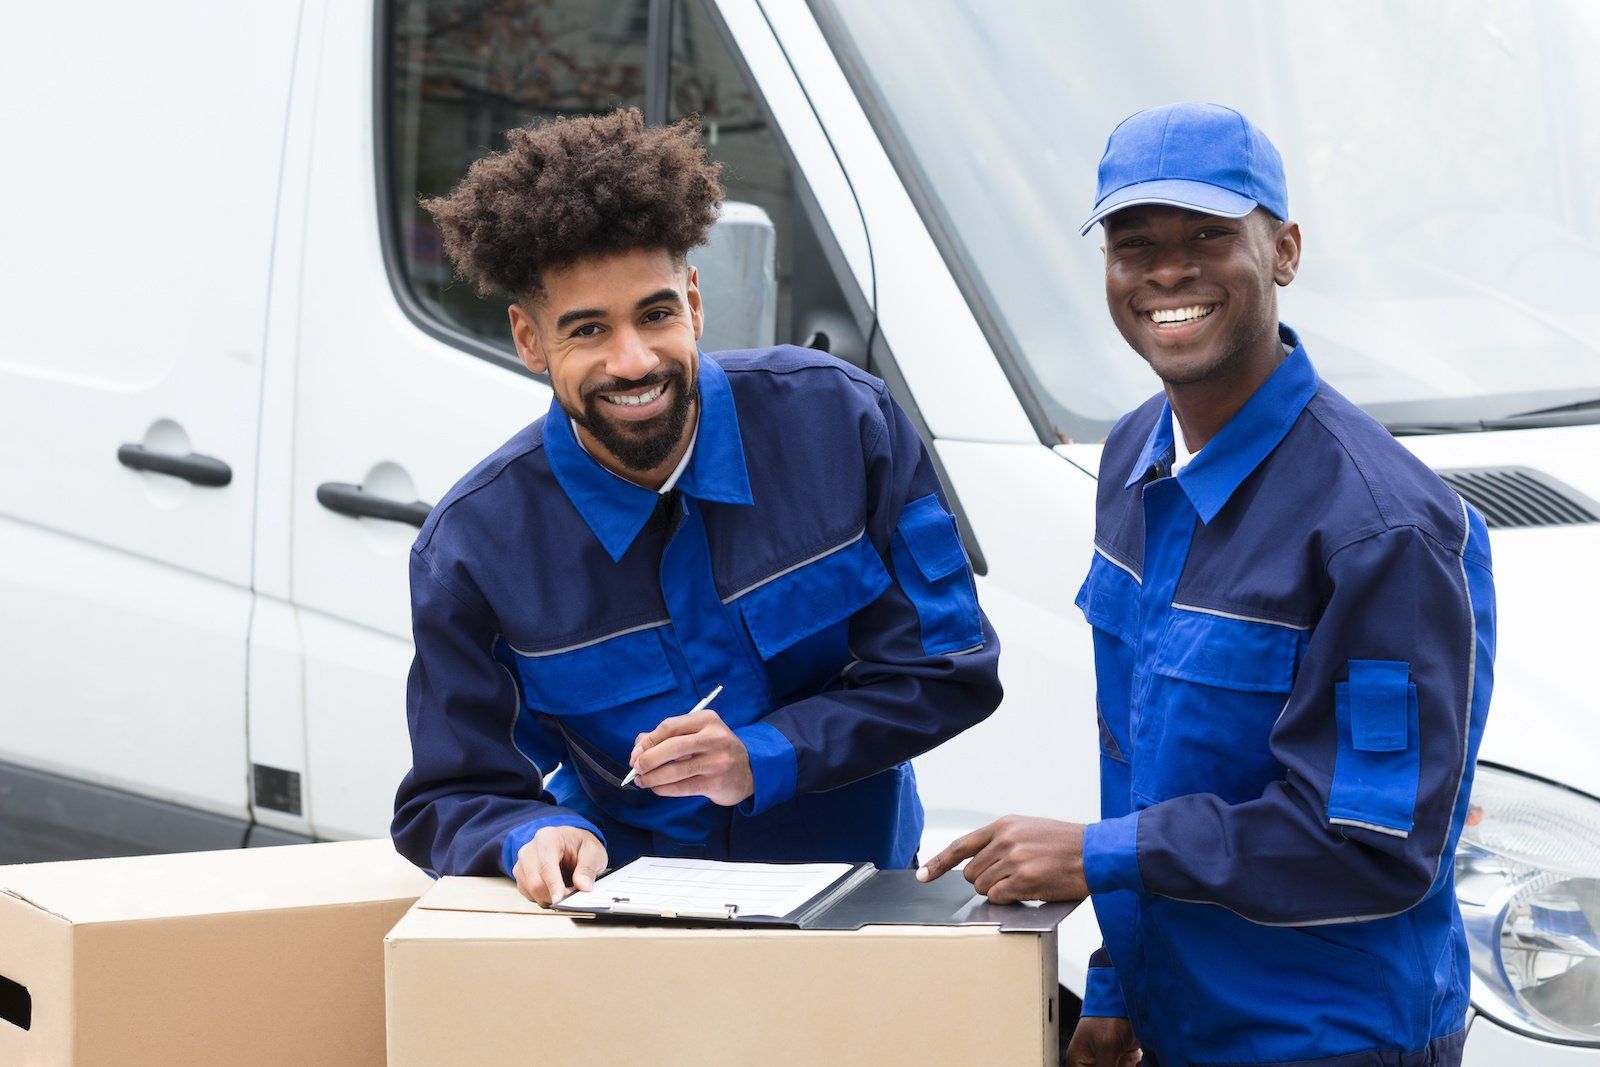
689,885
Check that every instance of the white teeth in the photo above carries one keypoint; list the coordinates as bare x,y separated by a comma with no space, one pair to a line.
635,401
1188,314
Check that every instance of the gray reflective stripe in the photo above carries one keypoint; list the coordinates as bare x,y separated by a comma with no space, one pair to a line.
1374,827
1117,563
791,569
1241,618
586,644
967,651
1472,671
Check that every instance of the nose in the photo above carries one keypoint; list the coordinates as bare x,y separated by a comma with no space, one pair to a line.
1172,265
630,359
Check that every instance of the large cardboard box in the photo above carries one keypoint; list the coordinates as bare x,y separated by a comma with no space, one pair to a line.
250,956
476,974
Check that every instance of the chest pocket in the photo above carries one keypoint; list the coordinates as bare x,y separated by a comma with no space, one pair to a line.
799,621
1216,687
605,675
812,598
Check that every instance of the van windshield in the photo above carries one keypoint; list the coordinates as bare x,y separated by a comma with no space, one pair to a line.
1443,162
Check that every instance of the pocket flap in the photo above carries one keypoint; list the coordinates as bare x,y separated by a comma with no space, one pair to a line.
811,597
1378,704
932,537
602,674
1109,598
1254,657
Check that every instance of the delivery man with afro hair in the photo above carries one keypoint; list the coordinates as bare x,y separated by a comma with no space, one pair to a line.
761,525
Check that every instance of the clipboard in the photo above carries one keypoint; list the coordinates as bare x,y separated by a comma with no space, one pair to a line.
861,896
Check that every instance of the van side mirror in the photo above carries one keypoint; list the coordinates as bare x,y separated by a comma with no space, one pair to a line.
738,268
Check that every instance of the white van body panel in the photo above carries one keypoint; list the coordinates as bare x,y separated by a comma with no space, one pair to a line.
136,282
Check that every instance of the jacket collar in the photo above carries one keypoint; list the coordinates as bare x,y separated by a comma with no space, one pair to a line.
1219,468
614,508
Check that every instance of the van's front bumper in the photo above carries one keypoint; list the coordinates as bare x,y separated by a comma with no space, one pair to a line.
1491,1045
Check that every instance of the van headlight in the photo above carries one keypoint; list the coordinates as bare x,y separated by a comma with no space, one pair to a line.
1528,880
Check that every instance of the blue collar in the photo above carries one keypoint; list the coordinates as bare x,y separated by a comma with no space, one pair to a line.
1253,432
616,509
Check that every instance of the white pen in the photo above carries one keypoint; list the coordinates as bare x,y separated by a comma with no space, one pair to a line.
709,697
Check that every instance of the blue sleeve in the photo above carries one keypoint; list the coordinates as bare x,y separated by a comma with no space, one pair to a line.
1385,713
472,792
1102,993
926,658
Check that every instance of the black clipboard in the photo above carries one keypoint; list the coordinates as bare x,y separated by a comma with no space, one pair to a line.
861,896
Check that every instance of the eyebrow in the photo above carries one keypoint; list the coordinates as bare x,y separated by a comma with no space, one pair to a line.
660,296
570,317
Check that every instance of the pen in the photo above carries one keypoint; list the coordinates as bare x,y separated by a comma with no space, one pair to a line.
709,697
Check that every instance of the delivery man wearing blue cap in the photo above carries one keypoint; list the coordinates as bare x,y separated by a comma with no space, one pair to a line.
705,606
1293,625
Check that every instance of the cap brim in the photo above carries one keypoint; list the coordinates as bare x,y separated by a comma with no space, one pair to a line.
1173,192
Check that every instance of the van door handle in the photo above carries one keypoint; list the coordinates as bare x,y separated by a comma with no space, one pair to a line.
356,502
201,470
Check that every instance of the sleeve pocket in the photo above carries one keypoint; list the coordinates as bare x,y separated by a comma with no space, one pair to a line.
931,567
1378,762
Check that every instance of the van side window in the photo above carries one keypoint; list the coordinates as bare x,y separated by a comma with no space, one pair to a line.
707,81
464,71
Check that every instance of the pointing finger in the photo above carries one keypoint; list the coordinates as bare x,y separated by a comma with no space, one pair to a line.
961,848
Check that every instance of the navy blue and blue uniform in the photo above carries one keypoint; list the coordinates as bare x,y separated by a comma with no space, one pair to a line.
1293,640
805,561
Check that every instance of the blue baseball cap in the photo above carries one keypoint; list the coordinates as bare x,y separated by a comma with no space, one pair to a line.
1204,157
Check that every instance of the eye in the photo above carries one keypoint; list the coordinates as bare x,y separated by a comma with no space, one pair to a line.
588,329
1132,242
1211,231
657,314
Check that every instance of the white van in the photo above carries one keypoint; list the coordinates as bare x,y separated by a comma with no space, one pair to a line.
235,370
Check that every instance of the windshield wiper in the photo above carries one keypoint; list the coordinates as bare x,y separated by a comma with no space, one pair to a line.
1434,426
1578,413
1573,414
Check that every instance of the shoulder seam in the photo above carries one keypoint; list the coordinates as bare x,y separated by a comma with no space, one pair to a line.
838,366
1366,478
487,477
1454,551
438,579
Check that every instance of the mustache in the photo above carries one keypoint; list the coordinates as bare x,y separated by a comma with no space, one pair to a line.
659,376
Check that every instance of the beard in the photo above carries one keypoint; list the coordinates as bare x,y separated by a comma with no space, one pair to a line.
638,446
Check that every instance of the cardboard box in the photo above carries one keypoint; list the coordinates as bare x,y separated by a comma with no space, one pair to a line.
476,974
267,955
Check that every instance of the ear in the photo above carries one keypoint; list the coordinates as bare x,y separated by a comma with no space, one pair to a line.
526,335
697,313
1286,253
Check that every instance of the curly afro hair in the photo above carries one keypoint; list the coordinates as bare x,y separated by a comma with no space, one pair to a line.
576,187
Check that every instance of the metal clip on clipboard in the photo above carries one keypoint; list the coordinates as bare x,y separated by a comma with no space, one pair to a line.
623,906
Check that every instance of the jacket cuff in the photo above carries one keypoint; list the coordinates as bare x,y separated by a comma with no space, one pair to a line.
1102,994
519,837
772,766
1111,854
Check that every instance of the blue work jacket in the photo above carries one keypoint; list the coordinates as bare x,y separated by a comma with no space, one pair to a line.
805,561
1294,643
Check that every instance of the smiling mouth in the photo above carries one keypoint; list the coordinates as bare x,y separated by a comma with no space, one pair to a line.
627,400
1172,318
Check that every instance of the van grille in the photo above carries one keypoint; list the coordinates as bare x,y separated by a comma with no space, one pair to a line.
1520,496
